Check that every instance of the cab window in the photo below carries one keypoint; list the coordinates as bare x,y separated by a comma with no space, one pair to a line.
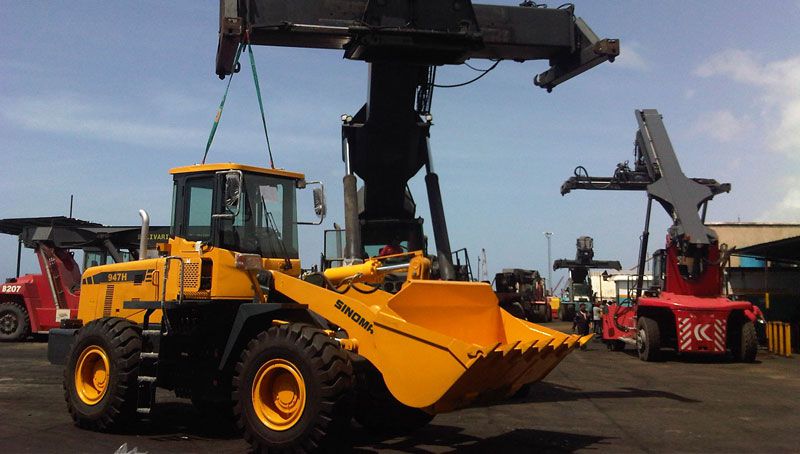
199,201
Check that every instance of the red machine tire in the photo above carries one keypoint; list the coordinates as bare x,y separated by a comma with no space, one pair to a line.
15,324
616,345
549,314
516,310
745,347
648,339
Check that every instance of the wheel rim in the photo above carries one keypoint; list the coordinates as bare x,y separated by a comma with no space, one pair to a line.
279,394
91,375
641,341
8,323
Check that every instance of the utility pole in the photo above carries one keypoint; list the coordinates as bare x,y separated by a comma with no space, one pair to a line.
549,261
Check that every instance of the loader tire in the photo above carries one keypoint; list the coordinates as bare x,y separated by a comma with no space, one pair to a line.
100,376
379,411
548,316
648,339
292,390
745,345
15,324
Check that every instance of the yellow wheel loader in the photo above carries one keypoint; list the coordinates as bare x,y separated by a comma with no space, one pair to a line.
223,316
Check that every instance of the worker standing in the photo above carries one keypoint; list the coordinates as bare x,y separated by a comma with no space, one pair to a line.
597,321
581,322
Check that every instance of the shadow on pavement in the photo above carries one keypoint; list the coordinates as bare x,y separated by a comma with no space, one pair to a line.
692,358
176,421
436,436
548,392
181,421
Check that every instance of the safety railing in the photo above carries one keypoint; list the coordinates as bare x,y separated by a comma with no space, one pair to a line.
779,336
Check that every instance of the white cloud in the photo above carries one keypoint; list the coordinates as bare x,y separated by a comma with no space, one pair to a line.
72,115
787,209
722,126
779,83
631,58
777,88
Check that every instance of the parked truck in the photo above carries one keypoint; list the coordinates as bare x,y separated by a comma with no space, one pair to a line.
36,303
523,293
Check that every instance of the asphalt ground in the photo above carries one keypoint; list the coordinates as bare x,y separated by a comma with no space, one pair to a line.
595,401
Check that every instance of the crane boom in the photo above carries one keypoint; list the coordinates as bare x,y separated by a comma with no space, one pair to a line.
658,172
386,142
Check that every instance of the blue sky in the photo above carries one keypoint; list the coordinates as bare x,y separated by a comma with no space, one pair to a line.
100,99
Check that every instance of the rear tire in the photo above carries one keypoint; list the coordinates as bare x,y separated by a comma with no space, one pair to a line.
615,345
548,316
100,376
15,324
648,339
746,346
291,390
516,310
379,411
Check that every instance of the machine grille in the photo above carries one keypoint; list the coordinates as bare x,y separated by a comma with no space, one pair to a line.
191,276
108,300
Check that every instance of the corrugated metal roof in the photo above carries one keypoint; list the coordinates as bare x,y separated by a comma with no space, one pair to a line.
15,226
785,249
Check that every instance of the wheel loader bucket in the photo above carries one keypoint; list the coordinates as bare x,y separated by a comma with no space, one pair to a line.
447,345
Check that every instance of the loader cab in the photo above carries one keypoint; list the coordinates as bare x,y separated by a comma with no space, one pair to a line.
236,207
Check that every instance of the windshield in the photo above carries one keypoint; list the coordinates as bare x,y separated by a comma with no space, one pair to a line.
266,221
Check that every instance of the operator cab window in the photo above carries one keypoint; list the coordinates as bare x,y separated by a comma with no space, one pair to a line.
266,223
199,202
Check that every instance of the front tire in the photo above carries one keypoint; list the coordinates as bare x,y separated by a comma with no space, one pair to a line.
291,390
15,324
615,345
516,310
648,339
746,345
100,376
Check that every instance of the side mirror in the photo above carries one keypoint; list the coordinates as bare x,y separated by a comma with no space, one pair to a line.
233,191
232,194
320,209
319,203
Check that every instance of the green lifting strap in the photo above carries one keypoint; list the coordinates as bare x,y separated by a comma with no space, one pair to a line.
222,104
260,103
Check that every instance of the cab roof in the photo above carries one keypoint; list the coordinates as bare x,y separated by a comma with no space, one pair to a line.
199,168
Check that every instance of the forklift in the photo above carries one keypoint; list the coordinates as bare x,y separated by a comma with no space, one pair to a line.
684,308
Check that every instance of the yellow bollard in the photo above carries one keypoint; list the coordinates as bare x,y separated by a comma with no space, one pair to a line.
770,338
787,330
